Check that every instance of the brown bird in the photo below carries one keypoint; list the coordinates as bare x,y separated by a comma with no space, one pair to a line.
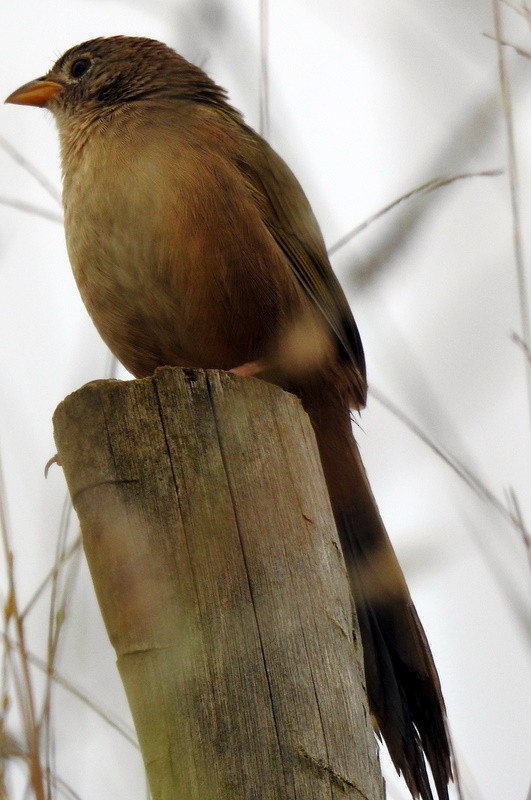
193,245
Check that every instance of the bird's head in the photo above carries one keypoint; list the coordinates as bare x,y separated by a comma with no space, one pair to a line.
106,73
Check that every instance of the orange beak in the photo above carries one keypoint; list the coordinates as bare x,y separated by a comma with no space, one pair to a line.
35,93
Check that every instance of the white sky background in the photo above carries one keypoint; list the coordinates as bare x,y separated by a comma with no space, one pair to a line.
367,100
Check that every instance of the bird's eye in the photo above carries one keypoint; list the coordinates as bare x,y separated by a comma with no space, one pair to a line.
79,67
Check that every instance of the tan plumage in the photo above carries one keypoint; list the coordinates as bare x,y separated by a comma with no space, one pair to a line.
193,244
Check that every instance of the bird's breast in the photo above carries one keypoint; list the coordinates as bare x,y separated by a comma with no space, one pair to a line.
171,256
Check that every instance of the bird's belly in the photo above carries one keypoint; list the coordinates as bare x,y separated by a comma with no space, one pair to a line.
179,278
150,298
155,309
150,316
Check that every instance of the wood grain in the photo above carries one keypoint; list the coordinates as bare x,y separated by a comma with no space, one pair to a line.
213,551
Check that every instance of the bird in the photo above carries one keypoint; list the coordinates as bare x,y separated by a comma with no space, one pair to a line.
193,245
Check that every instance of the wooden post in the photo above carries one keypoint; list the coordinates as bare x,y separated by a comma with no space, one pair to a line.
212,547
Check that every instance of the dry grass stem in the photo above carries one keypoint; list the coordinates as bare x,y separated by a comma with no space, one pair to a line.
515,47
31,169
521,276
19,667
264,69
425,188
29,208
475,483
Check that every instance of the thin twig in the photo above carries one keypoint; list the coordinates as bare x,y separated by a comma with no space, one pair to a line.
522,345
23,682
505,43
66,556
517,511
453,462
62,786
522,10
29,208
512,514
17,156
57,614
513,184
121,727
264,68
429,186
15,751
505,583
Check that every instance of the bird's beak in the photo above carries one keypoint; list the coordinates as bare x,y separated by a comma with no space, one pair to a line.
35,93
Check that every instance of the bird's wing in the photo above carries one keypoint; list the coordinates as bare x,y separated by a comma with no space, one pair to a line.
288,216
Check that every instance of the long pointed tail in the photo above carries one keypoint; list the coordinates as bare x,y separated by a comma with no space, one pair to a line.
402,682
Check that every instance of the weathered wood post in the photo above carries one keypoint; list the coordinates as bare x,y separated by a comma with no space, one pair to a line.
212,547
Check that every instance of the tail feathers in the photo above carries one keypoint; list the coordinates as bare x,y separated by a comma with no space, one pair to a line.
402,683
